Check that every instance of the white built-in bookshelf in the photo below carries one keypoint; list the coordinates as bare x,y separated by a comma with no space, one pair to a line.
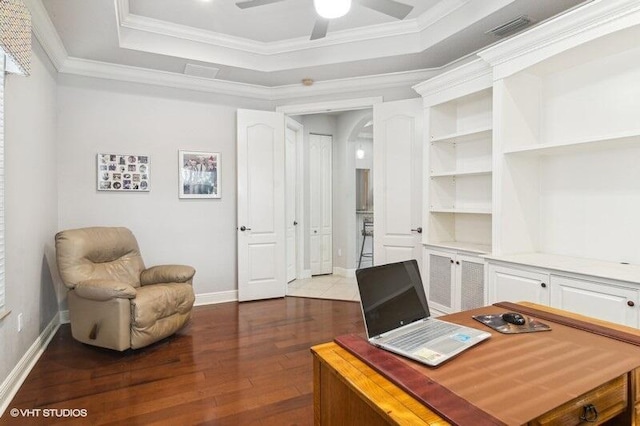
459,156
568,142
533,162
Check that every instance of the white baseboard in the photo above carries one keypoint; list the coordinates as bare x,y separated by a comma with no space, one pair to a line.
64,317
218,297
343,272
16,377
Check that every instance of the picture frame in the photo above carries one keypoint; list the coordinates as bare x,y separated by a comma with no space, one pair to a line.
122,172
199,174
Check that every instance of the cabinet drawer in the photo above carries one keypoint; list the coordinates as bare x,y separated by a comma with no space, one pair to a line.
609,399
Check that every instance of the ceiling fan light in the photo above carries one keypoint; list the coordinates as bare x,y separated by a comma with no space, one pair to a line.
330,9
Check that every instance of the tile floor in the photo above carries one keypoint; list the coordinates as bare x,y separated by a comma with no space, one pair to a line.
325,287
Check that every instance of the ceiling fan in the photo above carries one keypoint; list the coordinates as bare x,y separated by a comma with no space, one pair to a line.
388,7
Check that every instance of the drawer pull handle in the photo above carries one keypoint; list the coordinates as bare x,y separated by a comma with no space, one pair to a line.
630,303
589,413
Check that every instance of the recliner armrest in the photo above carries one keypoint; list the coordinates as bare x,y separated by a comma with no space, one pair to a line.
167,274
104,290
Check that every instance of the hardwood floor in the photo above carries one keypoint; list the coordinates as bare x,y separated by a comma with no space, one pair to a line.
235,364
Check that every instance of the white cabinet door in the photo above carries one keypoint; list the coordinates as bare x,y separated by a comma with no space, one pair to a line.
608,302
440,275
397,181
261,200
516,285
454,281
470,282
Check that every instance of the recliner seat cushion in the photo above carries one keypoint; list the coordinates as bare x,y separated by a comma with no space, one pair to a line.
158,301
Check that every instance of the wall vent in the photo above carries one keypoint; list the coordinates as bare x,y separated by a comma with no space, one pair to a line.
201,71
511,27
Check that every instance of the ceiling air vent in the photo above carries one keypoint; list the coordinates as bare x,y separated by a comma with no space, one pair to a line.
201,71
511,27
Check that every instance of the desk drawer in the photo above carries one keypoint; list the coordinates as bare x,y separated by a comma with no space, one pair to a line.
609,399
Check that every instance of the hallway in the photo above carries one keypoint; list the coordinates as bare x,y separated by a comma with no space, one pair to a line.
325,287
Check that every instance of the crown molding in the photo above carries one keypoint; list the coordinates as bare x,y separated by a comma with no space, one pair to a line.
96,69
412,36
170,29
165,38
46,33
465,79
404,79
109,71
575,27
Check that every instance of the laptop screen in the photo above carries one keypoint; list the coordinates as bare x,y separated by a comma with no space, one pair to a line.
392,295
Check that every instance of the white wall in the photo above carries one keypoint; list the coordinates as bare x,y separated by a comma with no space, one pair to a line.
113,117
31,207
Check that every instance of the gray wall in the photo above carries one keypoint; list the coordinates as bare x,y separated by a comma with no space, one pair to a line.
102,116
31,204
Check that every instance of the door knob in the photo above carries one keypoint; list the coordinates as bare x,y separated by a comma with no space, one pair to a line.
244,228
418,230
295,222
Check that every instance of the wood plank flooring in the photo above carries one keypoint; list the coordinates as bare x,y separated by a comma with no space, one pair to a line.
235,364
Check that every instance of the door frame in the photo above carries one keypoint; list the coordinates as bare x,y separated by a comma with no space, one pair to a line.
329,106
300,250
318,108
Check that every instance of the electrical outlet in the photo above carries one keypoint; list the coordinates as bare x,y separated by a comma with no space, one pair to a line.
19,322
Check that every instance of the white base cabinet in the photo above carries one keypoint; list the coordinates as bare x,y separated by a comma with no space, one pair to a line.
615,303
454,281
518,285
601,298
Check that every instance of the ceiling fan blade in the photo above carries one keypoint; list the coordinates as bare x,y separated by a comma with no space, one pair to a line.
388,7
319,29
255,3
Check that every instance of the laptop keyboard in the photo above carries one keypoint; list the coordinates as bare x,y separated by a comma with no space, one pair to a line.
418,337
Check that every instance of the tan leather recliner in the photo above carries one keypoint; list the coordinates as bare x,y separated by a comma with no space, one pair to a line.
114,300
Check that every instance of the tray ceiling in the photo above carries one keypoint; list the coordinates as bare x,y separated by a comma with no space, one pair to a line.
269,46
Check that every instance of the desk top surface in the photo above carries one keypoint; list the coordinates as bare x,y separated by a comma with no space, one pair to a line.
517,377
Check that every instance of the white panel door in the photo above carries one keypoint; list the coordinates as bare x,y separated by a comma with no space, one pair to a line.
321,228
397,154
293,131
261,205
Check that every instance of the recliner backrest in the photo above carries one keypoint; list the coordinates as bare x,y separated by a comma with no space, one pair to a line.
110,253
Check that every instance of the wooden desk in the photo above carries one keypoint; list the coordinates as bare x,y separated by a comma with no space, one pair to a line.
348,391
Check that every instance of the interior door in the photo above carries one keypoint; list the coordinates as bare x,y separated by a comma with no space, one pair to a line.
293,132
261,205
397,148
321,227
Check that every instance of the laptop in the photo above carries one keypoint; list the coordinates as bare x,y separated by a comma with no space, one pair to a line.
396,316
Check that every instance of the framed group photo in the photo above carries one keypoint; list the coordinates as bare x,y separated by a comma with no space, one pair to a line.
122,172
199,174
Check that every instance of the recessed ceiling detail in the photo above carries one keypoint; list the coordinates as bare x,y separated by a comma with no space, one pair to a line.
259,49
